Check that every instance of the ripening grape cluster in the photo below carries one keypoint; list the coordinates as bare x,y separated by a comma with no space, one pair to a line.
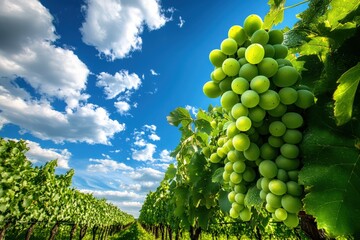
260,91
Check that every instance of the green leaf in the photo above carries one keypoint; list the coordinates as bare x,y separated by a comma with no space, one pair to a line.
331,174
340,9
170,172
224,202
252,197
275,15
345,94
217,177
178,116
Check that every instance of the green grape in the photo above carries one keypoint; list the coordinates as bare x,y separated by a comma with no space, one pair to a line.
250,98
282,175
278,111
286,163
235,155
214,158
248,71
228,167
275,142
231,67
263,195
249,175
206,151
289,150
243,123
294,189
242,60
233,213
211,89
269,208
260,36
276,36
239,110
237,33
269,51
245,215
252,152
265,184
229,46
281,214
258,183
252,23
268,67
228,146
217,57
277,128
239,166
239,198
288,95
225,84
229,99
241,52
281,51
292,220
268,152
221,152
226,176
276,186
241,142
260,84
237,207
291,204
232,130
231,196
285,76
268,169
235,177
293,175
218,74
239,85
254,53
273,200
283,62
292,120
256,114
305,99
240,188
269,100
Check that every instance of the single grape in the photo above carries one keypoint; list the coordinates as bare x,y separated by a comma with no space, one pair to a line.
265,184
231,196
237,207
248,71
268,67
245,215
235,177
237,33
232,130
225,84
243,123
277,128
241,142
273,200
276,186
255,53
286,163
229,99
294,189
268,152
249,175
226,176
240,188
269,100
281,214
250,98
281,51
260,36
289,150
211,89
268,169
288,95
239,85
228,167
276,36
305,99
229,46
260,84
292,220
218,74
292,120
291,204
231,67
214,158
285,76
241,52
278,111
239,110
239,198
282,175
235,155
239,166
256,114
275,142
252,23
217,57
252,153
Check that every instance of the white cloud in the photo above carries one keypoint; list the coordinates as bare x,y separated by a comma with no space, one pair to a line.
107,165
121,82
88,123
114,27
26,51
152,71
122,107
181,22
144,154
143,150
192,109
146,174
165,156
154,137
37,154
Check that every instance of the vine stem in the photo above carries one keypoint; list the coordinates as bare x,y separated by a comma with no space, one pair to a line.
296,4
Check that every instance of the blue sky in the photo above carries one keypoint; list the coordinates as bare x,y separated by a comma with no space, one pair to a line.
90,83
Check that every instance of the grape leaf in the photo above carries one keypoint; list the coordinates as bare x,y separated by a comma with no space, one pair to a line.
339,10
179,115
252,197
224,202
275,15
331,174
345,94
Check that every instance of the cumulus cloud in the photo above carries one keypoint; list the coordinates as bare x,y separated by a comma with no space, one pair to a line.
165,156
119,83
114,27
144,150
122,107
192,109
107,165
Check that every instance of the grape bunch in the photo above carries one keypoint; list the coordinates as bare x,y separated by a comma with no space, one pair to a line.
260,92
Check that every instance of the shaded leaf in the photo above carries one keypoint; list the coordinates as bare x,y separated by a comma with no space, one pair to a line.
218,175
252,197
345,94
224,202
